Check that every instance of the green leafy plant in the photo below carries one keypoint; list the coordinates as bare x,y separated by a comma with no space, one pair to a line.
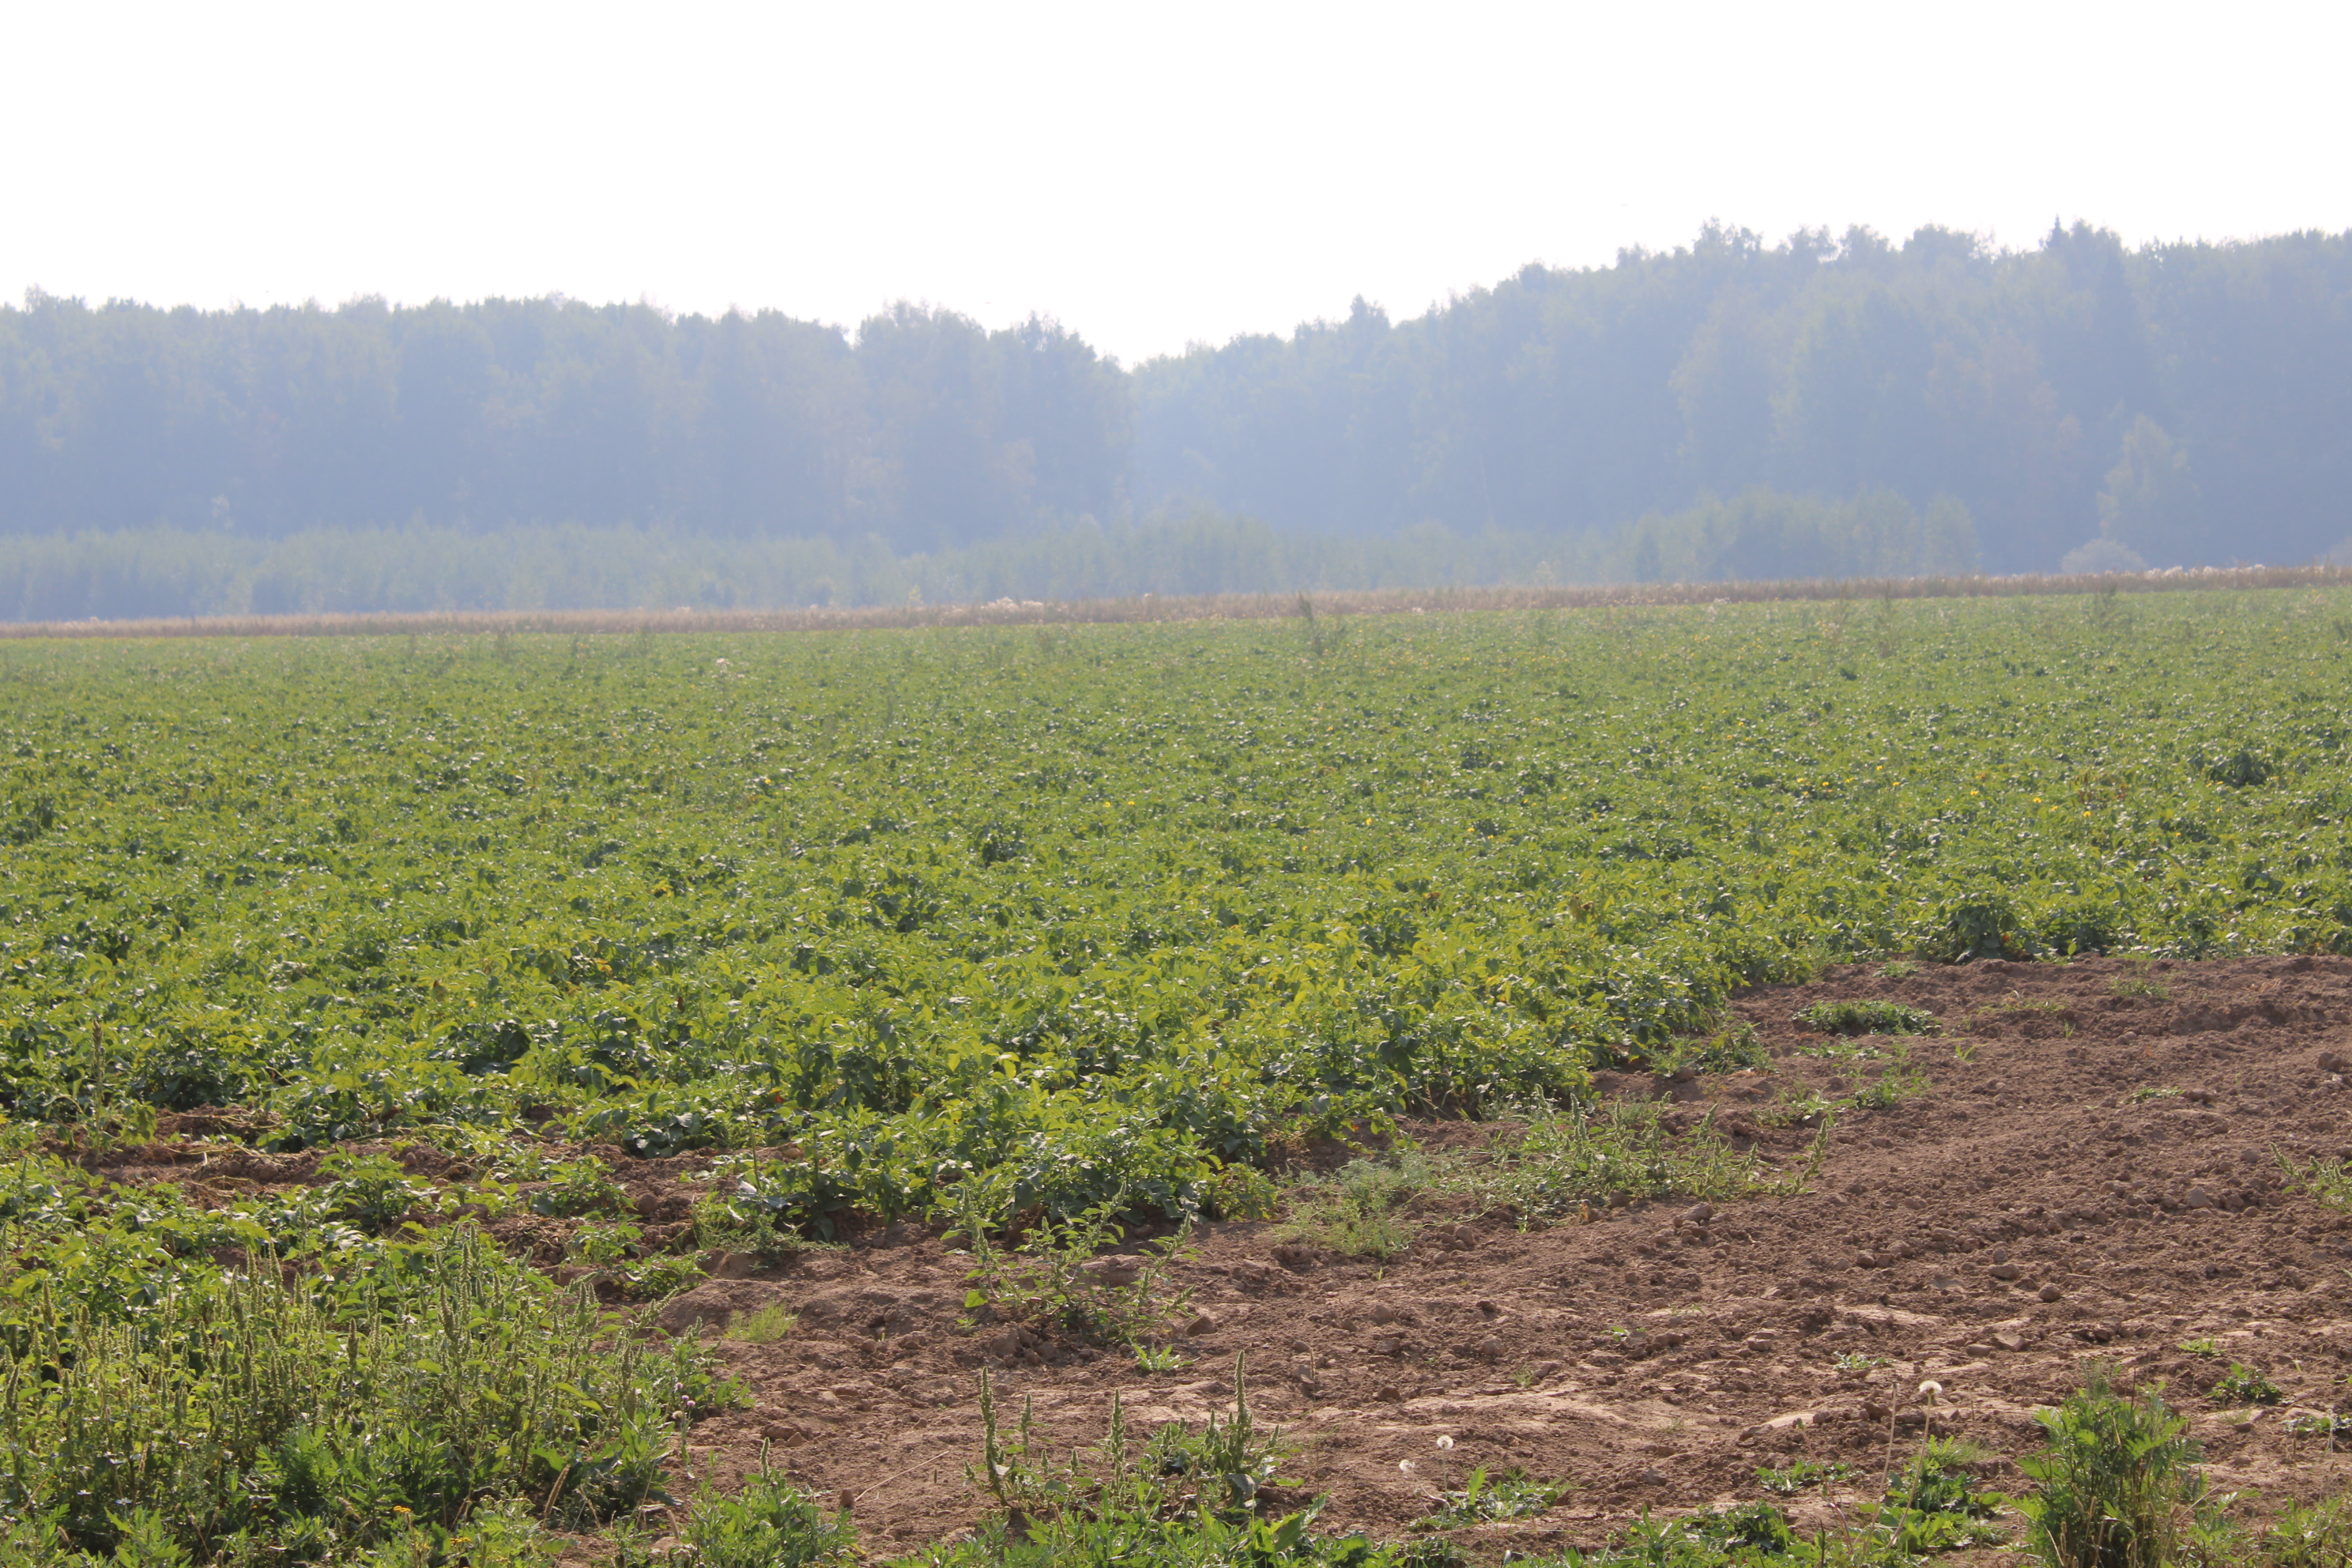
2244,1384
1796,1474
2113,1479
2329,1185
1157,1360
2333,1427
604,1245
579,1188
371,1191
1934,1504
771,1523
1514,1494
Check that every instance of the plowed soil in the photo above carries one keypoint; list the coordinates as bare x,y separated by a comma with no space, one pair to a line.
2098,1177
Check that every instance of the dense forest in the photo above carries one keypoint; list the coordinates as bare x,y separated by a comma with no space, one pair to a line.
1847,405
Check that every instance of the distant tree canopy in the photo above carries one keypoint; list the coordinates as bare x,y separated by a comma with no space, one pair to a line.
2178,404
925,431
2021,383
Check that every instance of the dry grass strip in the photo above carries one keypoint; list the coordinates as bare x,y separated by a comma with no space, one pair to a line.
1206,607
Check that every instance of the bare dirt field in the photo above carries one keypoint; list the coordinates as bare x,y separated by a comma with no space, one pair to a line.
2091,1170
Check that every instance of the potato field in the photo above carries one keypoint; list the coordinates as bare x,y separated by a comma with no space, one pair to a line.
1007,927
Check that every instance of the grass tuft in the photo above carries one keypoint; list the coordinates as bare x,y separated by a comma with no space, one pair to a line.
763,1327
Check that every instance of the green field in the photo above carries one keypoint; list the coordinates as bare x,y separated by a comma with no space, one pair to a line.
1031,922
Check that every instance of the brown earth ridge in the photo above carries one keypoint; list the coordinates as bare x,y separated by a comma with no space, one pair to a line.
2082,1174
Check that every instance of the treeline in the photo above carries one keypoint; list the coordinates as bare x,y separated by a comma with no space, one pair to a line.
925,431
2183,402
171,573
2173,403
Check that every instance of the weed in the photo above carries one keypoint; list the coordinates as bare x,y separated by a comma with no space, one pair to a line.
1852,1361
2139,984
1354,1210
1804,1109
2111,1480
1571,1164
1736,1049
1158,1358
764,1326
1216,1472
1934,1506
1242,1192
1789,1480
1058,1275
1842,1050
1898,969
2328,1184
1237,1455
1866,1018
2149,1091
1890,1090
456,1379
2207,1347
658,1279
1512,1495
771,1523
2319,1536
2244,1384
725,1224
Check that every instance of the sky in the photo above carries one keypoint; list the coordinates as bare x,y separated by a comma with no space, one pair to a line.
1152,176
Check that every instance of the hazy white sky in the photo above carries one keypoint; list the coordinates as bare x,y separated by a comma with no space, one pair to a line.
1150,175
